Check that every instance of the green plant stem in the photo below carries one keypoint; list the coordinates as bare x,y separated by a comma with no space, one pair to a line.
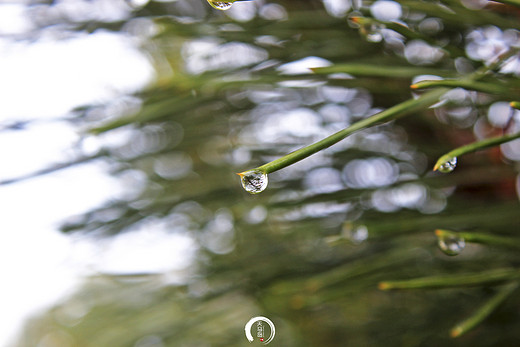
510,2
481,278
491,88
485,310
380,70
475,146
397,111
482,238
409,34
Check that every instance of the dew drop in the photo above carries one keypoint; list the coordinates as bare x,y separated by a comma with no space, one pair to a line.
254,181
451,244
448,165
221,5
372,32
354,233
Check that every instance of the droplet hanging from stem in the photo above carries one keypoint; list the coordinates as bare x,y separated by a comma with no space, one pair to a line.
253,181
450,243
221,5
448,165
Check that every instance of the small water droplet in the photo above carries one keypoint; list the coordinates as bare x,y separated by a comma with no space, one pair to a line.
221,5
449,165
355,234
451,244
254,181
372,32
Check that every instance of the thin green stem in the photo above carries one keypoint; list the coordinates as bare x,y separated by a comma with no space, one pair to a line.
380,70
491,88
481,278
408,33
485,310
397,111
482,238
510,2
473,147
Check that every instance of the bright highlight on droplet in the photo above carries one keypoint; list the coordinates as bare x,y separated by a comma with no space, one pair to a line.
253,181
450,243
221,5
448,165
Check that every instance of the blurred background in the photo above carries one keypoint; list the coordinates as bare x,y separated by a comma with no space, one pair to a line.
122,124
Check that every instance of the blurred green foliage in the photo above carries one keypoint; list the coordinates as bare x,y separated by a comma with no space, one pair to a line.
307,253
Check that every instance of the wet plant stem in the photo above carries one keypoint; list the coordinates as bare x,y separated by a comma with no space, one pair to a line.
452,50
475,146
491,88
510,2
482,238
470,81
372,70
459,280
395,112
485,310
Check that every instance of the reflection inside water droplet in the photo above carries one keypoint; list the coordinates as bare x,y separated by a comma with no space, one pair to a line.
254,181
448,166
451,244
372,32
220,5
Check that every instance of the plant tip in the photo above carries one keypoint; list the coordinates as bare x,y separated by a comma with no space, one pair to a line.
456,332
383,286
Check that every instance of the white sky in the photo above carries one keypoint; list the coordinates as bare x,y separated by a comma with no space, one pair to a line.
44,80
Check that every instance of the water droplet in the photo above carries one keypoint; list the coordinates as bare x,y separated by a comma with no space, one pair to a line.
355,234
448,165
221,5
372,32
254,181
451,244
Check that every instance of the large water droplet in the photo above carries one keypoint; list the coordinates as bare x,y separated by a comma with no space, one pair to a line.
254,181
448,165
221,5
450,243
